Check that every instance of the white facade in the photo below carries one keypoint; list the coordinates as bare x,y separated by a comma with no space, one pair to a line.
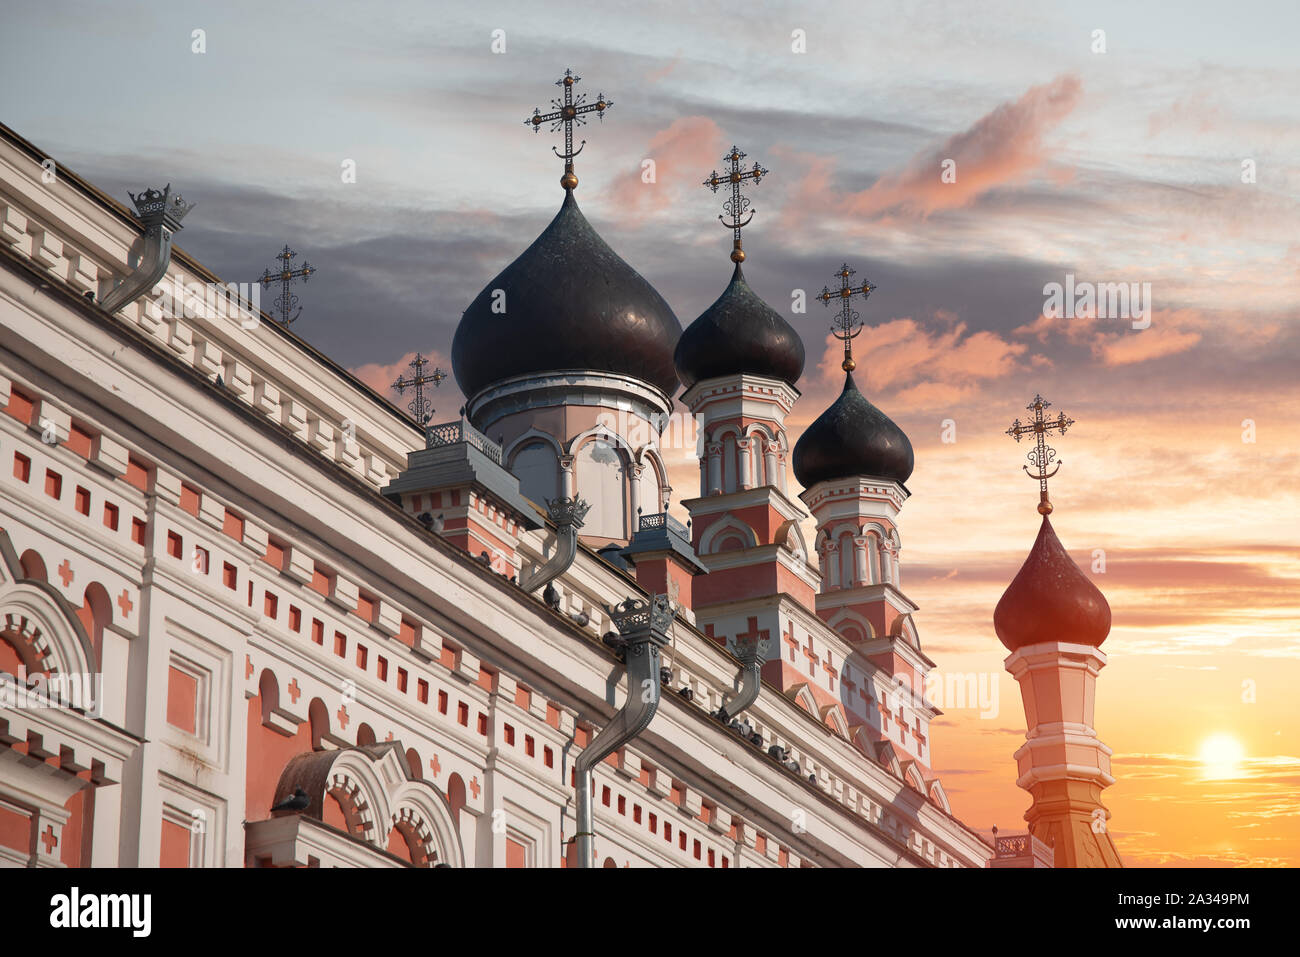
267,607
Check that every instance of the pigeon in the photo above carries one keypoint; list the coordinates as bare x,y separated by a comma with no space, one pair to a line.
551,596
296,801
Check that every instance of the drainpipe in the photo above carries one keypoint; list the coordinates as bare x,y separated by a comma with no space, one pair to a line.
643,630
749,650
567,514
160,213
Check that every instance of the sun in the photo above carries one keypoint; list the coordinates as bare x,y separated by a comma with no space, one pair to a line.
1220,756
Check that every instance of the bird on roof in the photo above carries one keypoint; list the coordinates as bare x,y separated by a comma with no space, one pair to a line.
297,801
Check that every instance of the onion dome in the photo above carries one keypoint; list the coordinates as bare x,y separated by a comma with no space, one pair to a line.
739,333
1051,599
570,303
850,438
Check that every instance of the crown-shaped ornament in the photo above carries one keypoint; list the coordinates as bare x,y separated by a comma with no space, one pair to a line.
748,648
161,208
634,617
567,511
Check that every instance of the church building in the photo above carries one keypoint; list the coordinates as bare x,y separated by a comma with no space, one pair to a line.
254,615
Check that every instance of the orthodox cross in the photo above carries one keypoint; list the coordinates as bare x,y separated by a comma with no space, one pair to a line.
284,276
1041,455
567,112
421,407
847,324
738,204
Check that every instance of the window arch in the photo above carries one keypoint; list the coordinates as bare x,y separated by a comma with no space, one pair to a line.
538,471
649,496
848,561
600,480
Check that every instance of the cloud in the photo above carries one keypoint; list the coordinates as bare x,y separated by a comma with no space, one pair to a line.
381,375
1004,146
681,153
924,368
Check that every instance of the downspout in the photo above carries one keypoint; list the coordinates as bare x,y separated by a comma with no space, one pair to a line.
160,213
749,651
643,630
567,514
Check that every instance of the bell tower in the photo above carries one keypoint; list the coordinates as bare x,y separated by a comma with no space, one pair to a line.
1053,620
852,462
739,361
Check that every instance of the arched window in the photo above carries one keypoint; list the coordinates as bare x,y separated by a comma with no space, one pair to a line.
600,482
538,472
32,565
873,558
456,796
95,613
848,561
648,492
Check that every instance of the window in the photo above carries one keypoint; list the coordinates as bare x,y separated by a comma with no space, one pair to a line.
110,516
600,482
648,491
182,699
538,471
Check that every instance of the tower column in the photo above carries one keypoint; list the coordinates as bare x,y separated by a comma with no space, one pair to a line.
568,482
831,564
1063,764
634,496
746,477
860,558
770,468
714,450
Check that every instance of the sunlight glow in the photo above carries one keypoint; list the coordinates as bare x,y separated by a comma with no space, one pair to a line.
1221,754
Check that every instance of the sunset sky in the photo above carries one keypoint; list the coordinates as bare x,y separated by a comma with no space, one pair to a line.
1117,166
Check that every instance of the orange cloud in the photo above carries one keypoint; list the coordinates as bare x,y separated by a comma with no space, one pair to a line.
1168,335
380,376
1116,343
1001,147
929,368
681,152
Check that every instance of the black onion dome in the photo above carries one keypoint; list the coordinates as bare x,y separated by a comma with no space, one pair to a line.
739,333
850,438
570,303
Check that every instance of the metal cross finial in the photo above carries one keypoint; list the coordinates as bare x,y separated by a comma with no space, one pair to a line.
284,275
421,407
567,112
738,204
1042,455
847,324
